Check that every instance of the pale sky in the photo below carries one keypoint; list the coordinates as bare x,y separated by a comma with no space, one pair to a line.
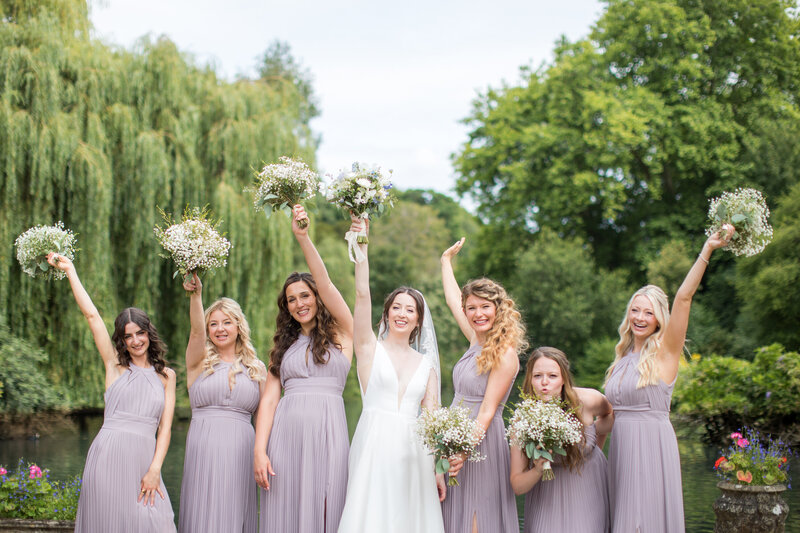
392,80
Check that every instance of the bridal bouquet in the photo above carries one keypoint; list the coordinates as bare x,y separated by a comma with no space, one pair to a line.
747,211
282,185
194,243
538,426
34,245
447,431
363,191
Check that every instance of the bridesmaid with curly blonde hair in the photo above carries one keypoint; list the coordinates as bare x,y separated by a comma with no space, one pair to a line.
226,381
483,377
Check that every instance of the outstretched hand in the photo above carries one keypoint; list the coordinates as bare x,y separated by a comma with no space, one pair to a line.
60,262
150,485
298,214
451,252
722,237
193,284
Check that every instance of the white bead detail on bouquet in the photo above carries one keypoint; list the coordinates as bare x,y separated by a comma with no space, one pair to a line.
194,244
538,426
747,211
282,185
447,431
34,244
363,191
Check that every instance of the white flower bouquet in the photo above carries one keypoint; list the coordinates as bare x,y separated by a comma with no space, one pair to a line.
363,191
447,431
35,244
194,243
747,211
538,426
282,185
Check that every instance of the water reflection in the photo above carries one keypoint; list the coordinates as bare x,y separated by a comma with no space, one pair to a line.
64,454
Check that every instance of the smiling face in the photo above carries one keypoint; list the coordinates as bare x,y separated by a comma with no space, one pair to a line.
222,330
481,313
546,378
642,317
301,303
402,316
136,340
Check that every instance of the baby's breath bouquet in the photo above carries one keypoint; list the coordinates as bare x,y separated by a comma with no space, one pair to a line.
282,185
447,431
363,191
194,243
747,211
35,244
541,425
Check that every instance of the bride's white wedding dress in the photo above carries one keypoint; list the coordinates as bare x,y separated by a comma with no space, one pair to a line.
391,485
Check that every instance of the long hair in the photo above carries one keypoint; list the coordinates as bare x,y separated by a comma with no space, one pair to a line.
287,329
508,330
157,350
420,304
245,352
647,367
574,457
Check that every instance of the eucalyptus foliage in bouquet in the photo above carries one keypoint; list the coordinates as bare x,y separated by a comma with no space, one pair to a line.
747,211
447,431
754,460
194,243
364,191
538,426
34,245
282,185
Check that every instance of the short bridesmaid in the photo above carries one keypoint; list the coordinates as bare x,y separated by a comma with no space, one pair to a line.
301,438
484,501
225,381
577,499
122,488
644,465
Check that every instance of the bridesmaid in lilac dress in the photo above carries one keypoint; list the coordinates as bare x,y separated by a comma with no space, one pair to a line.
577,499
484,501
225,381
300,457
122,488
643,460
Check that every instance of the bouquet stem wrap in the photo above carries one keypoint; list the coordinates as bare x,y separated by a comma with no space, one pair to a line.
353,239
547,472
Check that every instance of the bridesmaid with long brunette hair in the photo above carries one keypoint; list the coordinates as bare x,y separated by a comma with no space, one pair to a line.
643,461
577,499
225,379
122,488
483,377
301,448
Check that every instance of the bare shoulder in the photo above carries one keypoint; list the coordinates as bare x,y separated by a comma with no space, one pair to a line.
509,361
171,376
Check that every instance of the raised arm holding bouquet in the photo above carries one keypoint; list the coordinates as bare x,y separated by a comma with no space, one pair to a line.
36,244
283,185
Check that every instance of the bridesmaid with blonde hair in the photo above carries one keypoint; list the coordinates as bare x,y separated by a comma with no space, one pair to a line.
225,381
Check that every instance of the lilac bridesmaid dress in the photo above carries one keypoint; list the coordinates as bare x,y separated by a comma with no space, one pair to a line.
573,501
485,490
308,445
120,456
644,465
218,490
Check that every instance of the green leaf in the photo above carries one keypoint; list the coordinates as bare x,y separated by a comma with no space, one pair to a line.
559,450
44,265
536,453
529,449
738,218
442,465
546,455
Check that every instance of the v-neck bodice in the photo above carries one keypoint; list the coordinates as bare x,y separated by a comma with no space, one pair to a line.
384,387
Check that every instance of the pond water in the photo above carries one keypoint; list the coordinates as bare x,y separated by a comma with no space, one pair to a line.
64,454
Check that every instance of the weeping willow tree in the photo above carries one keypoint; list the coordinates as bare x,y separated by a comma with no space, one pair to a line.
99,138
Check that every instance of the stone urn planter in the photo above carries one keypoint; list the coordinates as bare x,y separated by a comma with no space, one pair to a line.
21,525
750,509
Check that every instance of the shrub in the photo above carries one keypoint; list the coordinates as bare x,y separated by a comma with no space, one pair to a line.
28,492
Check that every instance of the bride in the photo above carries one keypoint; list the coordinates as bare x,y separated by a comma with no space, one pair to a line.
391,485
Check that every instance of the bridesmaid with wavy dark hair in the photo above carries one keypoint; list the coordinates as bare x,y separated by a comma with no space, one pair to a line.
122,487
301,448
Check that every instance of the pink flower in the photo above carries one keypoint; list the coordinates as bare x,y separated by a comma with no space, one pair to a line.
742,443
3,471
36,472
736,435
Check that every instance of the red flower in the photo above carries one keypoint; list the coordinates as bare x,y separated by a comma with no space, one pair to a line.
720,461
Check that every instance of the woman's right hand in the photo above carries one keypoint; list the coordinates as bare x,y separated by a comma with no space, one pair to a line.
456,463
193,284
262,469
60,262
451,252
298,214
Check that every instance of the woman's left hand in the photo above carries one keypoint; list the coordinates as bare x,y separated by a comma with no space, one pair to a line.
456,463
151,483
722,237
298,214
441,487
